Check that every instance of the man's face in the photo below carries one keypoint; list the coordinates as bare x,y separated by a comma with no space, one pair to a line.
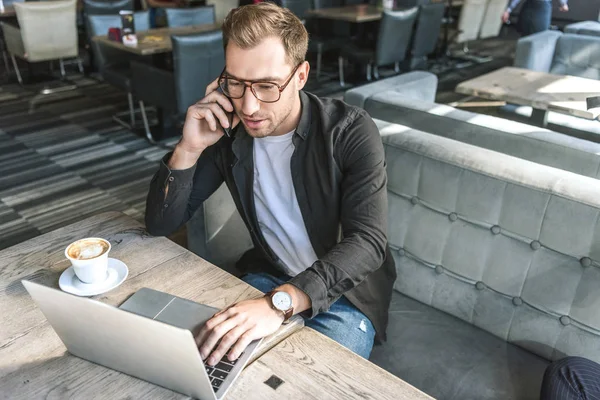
265,62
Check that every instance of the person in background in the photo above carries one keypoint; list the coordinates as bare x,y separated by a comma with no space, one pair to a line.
571,378
535,15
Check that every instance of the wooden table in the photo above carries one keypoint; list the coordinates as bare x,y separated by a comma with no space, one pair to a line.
312,366
542,91
34,362
155,41
360,13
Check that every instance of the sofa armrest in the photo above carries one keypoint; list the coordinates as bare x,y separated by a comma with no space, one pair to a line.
418,85
13,40
153,85
535,52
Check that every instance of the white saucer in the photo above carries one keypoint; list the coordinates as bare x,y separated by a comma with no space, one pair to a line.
117,273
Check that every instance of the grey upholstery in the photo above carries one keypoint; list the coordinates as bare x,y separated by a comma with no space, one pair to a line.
591,28
111,7
197,59
395,32
505,245
427,32
406,102
190,16
298,7
453,360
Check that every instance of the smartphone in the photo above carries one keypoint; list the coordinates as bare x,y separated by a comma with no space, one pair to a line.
229,118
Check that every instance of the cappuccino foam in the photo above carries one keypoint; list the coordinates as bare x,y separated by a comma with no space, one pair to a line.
87,249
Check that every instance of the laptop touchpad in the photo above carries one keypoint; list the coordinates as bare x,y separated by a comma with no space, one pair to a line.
186,314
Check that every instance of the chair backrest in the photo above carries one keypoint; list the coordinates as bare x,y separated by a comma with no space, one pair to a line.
510,246
48,29
470,20
190,16
298,7
577,55
99,25
395,33
428,28
103,7
492,19
197,60
326,4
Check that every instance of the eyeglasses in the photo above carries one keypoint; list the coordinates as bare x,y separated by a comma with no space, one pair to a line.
267,92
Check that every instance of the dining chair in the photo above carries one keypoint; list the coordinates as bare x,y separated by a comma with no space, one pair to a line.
112,63
106,7
190,16
392,45
427,33
197,60
298,7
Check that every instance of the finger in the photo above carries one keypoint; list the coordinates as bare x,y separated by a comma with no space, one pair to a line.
227,341
202,111
217,334
212,86
209,326
219,113
241,345
217,97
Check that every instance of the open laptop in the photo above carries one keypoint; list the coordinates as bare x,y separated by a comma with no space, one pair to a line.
151,337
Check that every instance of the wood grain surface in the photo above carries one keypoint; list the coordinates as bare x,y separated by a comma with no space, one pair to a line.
155,41
560,93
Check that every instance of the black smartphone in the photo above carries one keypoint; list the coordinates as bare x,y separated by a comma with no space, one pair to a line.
229,117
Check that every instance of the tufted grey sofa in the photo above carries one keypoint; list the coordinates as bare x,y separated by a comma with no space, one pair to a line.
563,54
498,268
591,28
408,100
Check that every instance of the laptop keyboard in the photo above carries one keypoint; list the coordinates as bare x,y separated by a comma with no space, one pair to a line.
219,372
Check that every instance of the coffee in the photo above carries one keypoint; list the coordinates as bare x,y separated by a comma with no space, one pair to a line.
87,249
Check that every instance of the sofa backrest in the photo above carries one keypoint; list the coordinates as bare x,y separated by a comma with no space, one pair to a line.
577,55
520,140
510,246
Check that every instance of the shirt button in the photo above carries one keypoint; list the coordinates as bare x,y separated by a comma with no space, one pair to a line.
166,205
171,179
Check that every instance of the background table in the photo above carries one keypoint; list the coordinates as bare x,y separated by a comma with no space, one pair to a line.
542,91
155,41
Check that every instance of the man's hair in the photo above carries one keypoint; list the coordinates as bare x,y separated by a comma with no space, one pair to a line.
247,26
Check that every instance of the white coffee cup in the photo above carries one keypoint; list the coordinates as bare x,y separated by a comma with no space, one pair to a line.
89,257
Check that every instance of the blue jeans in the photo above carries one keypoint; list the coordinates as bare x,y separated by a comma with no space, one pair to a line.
343,323
535,17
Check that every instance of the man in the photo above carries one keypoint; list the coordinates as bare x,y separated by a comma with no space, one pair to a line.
307,176
535,15
571,378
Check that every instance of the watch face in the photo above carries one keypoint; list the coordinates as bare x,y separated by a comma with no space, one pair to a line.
282,301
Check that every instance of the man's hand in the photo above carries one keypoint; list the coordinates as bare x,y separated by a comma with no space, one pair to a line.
505,17
564,8
202,127
235,327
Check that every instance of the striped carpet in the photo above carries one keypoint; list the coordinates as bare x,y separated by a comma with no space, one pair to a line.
68,160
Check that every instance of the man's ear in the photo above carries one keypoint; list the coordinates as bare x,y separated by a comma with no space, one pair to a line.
302,76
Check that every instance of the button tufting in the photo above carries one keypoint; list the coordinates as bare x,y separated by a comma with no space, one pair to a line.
496,229
565,320
439,270
480,285
401,252
517,301
535,245
586,262
452,217
415,200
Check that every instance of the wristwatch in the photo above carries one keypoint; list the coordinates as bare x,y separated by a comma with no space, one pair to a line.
281,301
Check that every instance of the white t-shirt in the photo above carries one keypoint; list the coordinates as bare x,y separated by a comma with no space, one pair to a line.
277,209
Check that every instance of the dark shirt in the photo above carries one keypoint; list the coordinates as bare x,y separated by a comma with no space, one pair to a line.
339,176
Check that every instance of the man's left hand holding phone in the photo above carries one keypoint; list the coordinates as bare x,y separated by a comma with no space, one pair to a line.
205,123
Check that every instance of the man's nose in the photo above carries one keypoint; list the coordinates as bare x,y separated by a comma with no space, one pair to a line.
250,104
